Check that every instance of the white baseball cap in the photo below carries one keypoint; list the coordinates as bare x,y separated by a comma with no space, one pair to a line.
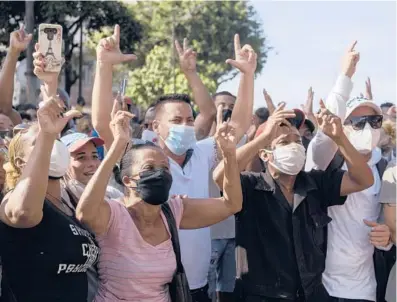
356,102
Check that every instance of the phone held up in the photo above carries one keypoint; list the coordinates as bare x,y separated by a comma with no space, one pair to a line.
50,41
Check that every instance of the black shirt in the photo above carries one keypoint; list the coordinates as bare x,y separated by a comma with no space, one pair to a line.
49,262
281,248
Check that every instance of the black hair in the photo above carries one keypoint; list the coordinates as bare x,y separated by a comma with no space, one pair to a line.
262,114
127,160
169,98
223,93
387,105
25,107
25,116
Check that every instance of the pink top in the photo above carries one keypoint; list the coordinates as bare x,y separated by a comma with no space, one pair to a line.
130,269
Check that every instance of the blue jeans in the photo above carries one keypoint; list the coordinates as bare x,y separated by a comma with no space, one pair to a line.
222,273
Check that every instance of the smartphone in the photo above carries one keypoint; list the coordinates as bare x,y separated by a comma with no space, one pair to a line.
123,87
50,41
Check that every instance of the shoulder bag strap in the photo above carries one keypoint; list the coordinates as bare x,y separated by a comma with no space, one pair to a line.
174,235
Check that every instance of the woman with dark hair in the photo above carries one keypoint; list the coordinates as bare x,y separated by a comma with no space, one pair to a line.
137,261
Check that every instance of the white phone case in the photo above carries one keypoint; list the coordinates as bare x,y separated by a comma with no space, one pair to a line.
50,41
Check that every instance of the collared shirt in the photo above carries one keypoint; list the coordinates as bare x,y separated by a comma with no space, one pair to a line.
192,179
281,248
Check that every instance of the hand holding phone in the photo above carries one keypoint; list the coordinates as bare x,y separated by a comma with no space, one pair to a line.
50,41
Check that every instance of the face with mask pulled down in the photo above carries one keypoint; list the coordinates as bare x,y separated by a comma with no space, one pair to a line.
145,173
363,128
286,155
174,127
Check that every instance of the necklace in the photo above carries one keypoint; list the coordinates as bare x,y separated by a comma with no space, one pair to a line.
66,209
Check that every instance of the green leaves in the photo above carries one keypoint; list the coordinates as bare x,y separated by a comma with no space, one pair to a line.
209,26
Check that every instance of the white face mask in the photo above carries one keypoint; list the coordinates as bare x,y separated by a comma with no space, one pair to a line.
150,136
288,159
60,160
364,140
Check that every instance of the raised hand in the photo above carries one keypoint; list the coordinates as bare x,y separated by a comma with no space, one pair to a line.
120,123
108,50
350,60
308,107
51,114
19,40
379,235
269,102
278,118
187,57
368,89
245,58
329,123
226,139
39,67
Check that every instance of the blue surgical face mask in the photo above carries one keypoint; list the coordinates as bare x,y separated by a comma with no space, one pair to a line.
180,139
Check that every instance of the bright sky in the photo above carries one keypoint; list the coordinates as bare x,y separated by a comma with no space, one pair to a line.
309,40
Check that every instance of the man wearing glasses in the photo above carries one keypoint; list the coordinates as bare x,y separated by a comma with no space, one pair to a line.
353,232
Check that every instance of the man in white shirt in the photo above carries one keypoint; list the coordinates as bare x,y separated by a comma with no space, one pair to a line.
191,161
354,231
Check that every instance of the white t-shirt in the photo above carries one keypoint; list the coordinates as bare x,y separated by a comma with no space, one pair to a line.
225,229
192,180
349,268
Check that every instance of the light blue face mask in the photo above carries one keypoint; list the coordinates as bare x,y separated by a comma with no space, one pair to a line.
180,139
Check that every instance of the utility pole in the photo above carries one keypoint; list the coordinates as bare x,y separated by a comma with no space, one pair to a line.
173,49
30,77
81,55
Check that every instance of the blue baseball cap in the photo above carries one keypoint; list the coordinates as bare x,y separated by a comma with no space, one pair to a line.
77,140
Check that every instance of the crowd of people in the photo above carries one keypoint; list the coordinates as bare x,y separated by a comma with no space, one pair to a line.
219,204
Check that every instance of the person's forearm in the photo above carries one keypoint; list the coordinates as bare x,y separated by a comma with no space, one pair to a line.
320,152
7,81
339,95
25,204
51,88
205,104
232,192
242,112
390,219
102,104
95,191
358,169
244,156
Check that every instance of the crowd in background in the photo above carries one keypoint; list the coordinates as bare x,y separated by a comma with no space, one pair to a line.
220,204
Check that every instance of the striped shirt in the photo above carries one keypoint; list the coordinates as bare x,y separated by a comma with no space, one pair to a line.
130,269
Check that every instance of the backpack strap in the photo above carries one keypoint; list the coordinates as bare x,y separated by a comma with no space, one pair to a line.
174,235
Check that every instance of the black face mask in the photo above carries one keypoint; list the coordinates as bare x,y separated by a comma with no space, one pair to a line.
154,186
226,114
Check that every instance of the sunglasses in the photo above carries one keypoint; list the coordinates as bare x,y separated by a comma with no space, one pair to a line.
358,123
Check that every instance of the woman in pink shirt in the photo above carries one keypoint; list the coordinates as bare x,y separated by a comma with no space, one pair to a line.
137,260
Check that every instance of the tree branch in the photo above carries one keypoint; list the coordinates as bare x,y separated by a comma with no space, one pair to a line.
70,52
74,78
79,20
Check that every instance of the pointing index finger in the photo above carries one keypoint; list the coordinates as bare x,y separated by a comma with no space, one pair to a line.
185,44
178,47
352,46
219,115
116,33
237,44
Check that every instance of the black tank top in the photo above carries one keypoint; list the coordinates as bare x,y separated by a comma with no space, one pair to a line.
49,262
